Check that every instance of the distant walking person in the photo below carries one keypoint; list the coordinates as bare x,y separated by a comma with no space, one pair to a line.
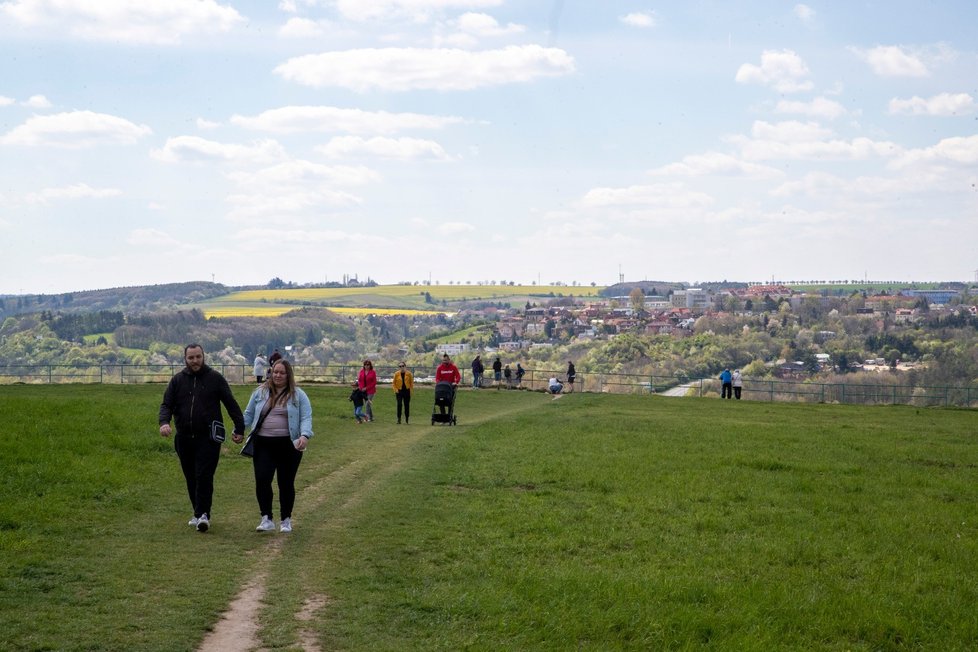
477,371
193,400
508,375
497,371
275,357
367,381
571,375
520,372
738,383
725,384
261,368
280,415
403,385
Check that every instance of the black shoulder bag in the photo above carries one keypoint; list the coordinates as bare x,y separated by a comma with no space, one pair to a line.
248,450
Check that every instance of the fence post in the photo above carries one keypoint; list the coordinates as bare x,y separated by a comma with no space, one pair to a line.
770,386
50,374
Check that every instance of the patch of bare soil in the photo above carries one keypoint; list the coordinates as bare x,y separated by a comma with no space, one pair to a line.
238,629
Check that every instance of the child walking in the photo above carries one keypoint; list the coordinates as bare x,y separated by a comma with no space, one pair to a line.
358,396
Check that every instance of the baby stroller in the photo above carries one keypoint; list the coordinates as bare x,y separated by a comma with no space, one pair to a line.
443,411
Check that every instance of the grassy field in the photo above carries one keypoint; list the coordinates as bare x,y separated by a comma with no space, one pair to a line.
594,522
381,299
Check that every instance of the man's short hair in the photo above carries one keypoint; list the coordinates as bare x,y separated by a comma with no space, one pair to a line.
192,346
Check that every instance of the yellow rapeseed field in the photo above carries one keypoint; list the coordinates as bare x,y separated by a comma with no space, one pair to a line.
402,299
437,292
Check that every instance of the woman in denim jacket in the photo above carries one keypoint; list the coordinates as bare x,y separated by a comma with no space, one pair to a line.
286,426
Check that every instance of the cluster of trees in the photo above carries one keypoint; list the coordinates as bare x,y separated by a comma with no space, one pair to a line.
944,344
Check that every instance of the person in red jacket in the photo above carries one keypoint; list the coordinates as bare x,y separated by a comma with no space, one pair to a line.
367,382
447,378
447,372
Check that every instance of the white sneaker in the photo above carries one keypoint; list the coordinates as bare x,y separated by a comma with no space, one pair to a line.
266,525
203,523
286,525
193,522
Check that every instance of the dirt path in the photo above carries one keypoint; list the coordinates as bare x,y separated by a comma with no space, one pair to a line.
238,627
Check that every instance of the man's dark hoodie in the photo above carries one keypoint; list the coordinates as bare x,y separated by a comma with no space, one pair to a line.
194,400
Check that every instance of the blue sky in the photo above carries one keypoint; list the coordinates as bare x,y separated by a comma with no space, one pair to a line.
156,141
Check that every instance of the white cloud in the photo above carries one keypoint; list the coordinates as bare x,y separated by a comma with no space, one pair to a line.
717,164
807,141
299,173
37,102
893,61
789,131
75,191
804,12
819,107
183,149
782,70
941,105
287,207
298,119
663,196
125,21
300,28
485,25
639,19
152,238
824,185
6,101
960,150
295,192
455,228
403,69
416,10
75,129
203,124
404,149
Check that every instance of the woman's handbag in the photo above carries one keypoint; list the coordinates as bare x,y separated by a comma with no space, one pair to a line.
248,450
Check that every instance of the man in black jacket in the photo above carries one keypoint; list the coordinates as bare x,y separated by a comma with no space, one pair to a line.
193,399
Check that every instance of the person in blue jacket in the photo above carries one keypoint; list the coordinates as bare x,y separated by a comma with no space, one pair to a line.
726,388
285,417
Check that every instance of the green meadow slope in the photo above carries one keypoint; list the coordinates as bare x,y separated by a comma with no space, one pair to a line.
590,522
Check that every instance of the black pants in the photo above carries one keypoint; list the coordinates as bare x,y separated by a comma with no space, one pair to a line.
198,460
725,390
275,455
404,399
737,392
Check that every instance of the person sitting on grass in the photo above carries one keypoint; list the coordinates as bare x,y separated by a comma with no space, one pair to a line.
555,386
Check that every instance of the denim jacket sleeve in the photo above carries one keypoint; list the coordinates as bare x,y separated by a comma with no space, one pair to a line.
300,415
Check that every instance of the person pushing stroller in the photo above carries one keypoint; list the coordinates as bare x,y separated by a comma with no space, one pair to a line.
447,378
